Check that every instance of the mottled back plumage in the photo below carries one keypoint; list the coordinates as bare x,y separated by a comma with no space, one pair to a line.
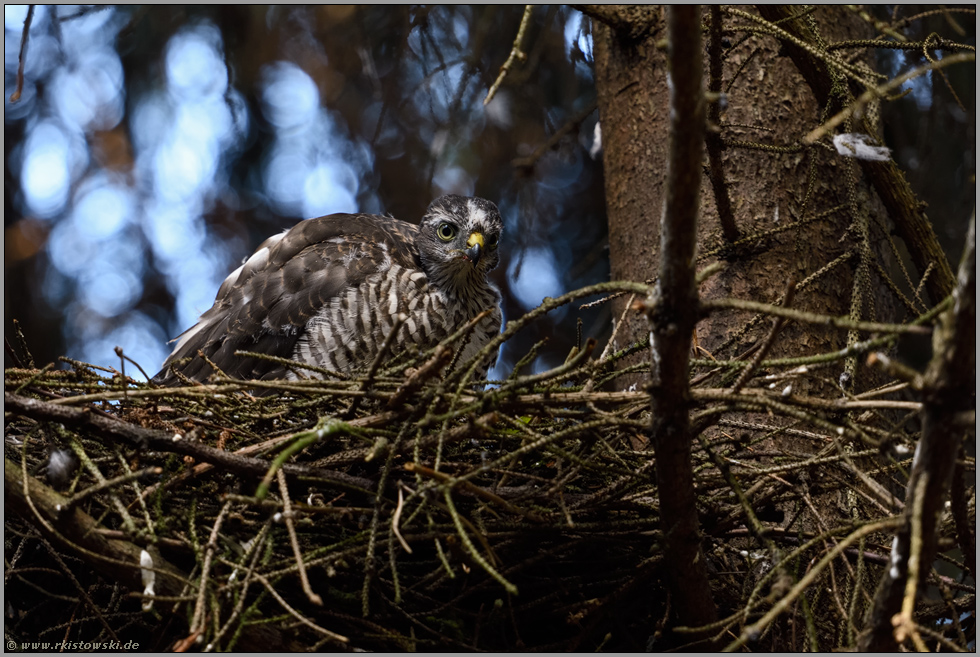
327,292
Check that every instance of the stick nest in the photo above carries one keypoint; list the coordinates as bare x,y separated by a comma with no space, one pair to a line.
407,510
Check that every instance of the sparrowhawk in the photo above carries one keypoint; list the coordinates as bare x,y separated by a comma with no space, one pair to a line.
327,291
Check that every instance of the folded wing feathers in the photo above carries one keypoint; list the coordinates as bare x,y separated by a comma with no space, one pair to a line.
265,304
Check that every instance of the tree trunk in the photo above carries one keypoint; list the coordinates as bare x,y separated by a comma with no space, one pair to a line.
767,189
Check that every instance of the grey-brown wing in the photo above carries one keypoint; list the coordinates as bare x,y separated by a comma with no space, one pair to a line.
265,305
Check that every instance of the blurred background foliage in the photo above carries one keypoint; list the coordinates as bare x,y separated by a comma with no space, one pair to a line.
154,147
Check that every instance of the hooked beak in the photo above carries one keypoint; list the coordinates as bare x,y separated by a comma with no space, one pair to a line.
475,248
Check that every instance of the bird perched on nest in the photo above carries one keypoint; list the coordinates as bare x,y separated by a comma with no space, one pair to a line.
327,292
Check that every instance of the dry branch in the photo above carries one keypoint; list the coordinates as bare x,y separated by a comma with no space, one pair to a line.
948,389
673,313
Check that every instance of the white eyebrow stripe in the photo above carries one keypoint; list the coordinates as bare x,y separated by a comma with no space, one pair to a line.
478,216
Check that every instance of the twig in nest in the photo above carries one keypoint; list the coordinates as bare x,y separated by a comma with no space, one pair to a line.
471,549
417,378
558,373
293,365
324,429
162,441
214,366
298,616
287,516
713,140
37,375
472,488
464,335
904,625
13,354
197,624
111,483
396,518
897,370
124,357
709,305
807,580
260,448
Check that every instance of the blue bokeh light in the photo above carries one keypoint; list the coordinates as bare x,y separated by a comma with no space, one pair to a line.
453,180
183,167
290,99
173,230
308,170
102,207
140,338
194,63
13,17
196,283
45,176
89,94
538,277
898,62
70,249
104,221
108,289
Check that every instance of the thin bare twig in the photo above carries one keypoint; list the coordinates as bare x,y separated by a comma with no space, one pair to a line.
298,616
516,55
287,516
756,628
882,90
777,325
25,34
200,608
571,124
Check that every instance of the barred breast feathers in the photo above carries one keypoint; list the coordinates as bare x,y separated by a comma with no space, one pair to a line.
349,331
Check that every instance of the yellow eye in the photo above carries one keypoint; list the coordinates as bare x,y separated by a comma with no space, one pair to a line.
446,232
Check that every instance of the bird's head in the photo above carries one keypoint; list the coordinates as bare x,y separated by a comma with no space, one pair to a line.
458,239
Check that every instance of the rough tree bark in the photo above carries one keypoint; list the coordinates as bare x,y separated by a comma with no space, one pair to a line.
767,189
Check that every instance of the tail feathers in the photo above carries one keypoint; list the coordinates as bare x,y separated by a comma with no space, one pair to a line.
219,346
